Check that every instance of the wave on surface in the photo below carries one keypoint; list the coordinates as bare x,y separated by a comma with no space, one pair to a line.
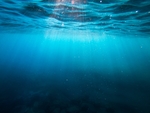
110,16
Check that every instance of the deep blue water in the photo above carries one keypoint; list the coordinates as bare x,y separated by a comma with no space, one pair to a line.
73,56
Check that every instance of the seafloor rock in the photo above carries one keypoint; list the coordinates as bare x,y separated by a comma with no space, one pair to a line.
73,109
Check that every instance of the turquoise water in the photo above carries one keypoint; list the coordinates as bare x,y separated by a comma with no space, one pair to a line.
74,56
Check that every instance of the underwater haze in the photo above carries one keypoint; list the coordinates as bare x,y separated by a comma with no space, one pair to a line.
74,56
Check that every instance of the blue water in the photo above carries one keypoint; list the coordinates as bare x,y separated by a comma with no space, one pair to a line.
73,56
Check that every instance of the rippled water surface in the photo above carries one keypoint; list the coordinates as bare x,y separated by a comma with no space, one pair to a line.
108,16
74,56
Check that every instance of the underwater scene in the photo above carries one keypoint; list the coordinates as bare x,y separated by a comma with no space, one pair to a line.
74,56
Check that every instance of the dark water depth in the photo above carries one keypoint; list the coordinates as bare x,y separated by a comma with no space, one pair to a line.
78,75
